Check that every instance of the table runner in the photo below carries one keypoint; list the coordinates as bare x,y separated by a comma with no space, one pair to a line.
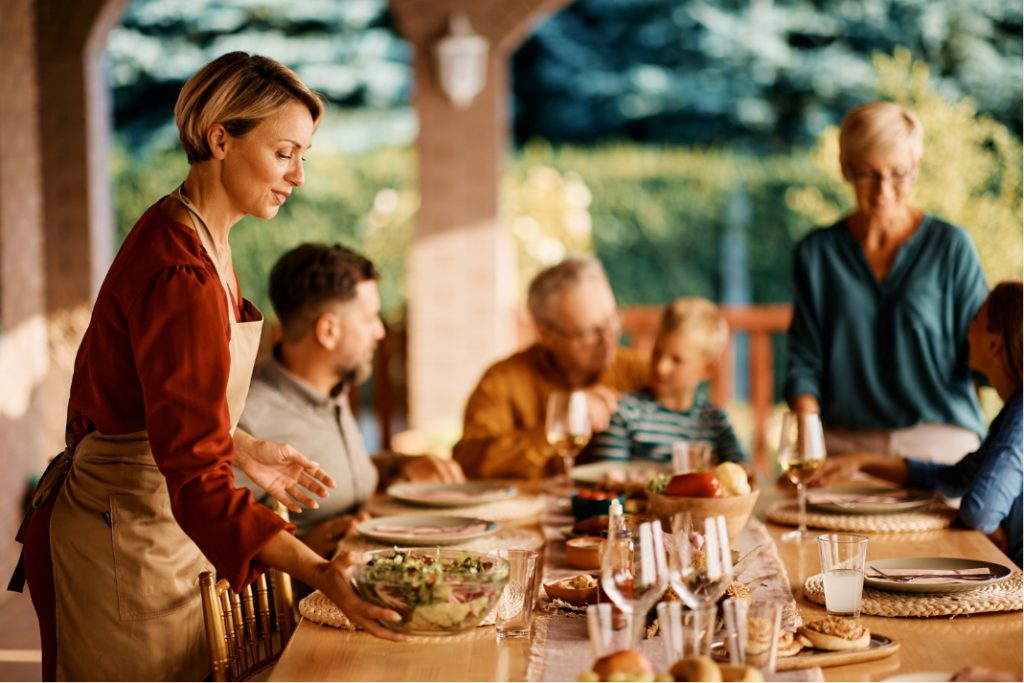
561,650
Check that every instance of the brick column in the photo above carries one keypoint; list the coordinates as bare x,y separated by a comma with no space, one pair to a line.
461,269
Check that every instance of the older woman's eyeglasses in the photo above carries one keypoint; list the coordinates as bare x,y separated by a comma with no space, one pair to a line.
608,330
873,178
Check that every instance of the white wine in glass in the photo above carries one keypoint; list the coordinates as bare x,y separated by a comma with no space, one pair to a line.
567,426
801,453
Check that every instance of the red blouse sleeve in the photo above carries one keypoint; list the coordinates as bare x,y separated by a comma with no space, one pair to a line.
179,334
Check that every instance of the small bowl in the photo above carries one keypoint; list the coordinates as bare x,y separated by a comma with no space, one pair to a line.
583,508
584,552
735,509
580,597
408,580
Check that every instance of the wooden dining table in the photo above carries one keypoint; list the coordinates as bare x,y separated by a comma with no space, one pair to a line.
934,644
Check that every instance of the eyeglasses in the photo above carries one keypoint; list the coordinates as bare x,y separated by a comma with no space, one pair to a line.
897,177
591,337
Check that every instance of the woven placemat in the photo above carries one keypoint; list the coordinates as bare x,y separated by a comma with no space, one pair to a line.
937,516
505,538
320,609
522,507
1002,596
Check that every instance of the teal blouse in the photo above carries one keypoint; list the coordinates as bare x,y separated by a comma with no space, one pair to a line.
890,354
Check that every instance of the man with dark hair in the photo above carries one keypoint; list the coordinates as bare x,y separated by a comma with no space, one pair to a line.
327,303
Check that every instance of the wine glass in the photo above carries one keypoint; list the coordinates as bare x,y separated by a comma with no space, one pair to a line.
567,426
634,572
701,560
801,453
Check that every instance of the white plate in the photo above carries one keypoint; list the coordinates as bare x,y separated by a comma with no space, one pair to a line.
893,566
634,473
425,529
451,495
868,500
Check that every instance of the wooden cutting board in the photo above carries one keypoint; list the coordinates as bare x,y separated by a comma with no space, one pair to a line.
880,647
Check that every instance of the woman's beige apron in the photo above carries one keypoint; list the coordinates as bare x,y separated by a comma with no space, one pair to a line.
125,574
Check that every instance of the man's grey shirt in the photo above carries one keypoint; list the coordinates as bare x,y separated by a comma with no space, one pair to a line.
282,407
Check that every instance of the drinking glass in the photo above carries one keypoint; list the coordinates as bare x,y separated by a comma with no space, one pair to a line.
842,568
685,631
610,631
700,561
567,426
801,453
515,609
634,572
752,632
691,456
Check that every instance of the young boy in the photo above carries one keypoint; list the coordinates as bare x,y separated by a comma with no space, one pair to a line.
691,339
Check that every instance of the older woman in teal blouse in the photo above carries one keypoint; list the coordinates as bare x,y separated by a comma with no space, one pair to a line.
882,301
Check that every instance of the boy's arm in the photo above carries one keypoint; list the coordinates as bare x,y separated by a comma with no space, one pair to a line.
613,443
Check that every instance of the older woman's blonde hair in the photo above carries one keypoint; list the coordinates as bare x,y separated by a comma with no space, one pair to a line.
879,126
700,320
239,91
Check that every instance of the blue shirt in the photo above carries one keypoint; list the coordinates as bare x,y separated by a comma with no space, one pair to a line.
990,479
890,354
643,428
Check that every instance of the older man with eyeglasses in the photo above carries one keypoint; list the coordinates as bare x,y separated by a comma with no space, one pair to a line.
577,347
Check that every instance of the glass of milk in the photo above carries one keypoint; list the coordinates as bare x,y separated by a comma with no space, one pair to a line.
842,567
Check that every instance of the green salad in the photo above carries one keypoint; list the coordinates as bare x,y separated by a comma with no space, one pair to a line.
439,590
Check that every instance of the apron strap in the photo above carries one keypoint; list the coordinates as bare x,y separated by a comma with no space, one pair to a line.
206,238
51,481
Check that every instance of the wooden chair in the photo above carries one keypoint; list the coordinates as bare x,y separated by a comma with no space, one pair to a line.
243,637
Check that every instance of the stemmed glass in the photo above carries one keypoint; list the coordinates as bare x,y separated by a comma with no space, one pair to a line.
801,453
567,426
700,561
634,572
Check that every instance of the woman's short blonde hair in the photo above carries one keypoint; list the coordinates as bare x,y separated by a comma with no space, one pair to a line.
239,91
879,125
700,319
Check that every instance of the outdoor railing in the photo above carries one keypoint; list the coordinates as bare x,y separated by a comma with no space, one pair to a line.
639,326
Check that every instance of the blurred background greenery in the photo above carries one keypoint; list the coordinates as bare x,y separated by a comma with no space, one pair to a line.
687,143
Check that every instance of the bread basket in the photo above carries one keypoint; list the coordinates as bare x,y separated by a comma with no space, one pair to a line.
735,509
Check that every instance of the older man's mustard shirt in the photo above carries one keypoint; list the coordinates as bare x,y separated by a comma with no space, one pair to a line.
503,431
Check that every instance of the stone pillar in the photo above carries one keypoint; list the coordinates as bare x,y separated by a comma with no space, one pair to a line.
461,269
23,334
78,224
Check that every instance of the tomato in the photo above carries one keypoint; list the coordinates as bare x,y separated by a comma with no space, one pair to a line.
591,494
695,485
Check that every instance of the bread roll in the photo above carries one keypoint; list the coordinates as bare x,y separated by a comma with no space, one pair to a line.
696,668
789,644
836,633
631,663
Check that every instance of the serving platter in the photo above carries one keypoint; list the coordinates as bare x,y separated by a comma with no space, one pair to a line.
423,530
868,500
451,495
880,646
911,568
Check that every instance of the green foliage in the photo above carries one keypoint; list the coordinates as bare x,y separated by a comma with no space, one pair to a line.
970,174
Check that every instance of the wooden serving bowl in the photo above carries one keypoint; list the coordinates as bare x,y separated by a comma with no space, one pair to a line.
583,552
580,597
735,509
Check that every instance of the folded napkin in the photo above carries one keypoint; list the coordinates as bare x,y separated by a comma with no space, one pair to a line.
859,498
419,531
931,575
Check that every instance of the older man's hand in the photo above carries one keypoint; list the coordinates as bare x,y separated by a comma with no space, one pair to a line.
430,468
602,402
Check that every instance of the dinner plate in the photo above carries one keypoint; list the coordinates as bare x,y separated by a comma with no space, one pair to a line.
633,473
451,495
921,677
425,529
893,566
809,658
868,500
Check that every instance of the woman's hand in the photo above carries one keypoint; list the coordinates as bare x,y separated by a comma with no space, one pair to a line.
281,471
324,537
837,468
336,583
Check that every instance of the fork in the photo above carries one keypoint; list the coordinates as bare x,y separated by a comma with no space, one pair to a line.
907,579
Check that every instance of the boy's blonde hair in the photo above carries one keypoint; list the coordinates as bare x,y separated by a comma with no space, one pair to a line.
700,318
238,91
